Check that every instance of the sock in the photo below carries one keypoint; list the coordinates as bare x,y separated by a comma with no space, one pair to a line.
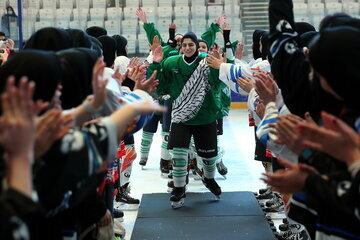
219,150
165,154
209,167
147,138
126,164
180,156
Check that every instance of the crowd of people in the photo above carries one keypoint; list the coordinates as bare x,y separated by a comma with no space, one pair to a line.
71,101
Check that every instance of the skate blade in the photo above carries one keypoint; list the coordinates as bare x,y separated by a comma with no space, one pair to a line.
217,197
126,207
142,167
224,176
197,177
169,190
164,175
178,204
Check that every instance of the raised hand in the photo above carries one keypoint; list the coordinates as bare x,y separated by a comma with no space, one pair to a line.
335,138
239,53
286,131
156,43
147,85
17,128
246,83
134,62
290,180
50,127
266,88
141,15
99,84
226,26
221,20
172,26
158,54
118,76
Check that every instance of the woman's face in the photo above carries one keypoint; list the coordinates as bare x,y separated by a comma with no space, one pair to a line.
188,47
203,47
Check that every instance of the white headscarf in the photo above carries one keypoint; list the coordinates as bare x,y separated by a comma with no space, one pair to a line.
121,62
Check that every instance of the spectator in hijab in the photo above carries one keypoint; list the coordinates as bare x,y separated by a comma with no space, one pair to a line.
96,45
96,31
7,18
2,36
109,50
77,65
256,43
79,38
121,45
50,38
303,27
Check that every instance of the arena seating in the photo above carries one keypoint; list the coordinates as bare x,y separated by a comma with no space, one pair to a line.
118,16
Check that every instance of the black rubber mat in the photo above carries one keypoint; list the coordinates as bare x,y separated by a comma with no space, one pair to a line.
200,205
203,228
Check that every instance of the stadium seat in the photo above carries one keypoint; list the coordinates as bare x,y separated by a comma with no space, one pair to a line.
99,23
83,4
97,14
63,14
62,24
181,11
42,24
98,3
165,12
112,27
80,14
46,14
333,7
351,8
51,4
165,3
129,12
66,4
184,3
316,8
214,11
132,3
113,13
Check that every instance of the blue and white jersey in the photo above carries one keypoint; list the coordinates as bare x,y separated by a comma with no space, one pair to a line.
229,73
272,111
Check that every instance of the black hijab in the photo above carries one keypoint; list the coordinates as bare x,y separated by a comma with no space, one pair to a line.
41,67
77,65
96,31
335,54
96,45
306,38
79,38
50,38
121,43
265,45
109,49
193,38
331,19
303,27
256,43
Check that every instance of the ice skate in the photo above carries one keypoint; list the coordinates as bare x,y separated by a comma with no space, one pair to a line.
177,198
211,184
